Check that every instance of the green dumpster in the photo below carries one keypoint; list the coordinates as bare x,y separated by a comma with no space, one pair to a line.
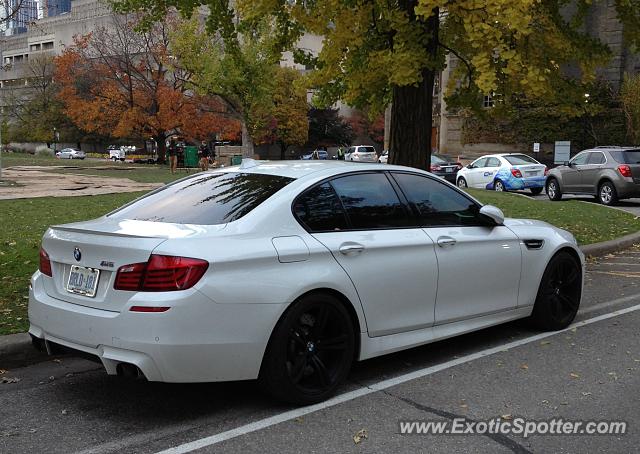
236,160
191,156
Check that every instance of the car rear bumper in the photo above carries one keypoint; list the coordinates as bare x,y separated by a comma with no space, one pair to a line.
196,340
515,184
449,176
626,188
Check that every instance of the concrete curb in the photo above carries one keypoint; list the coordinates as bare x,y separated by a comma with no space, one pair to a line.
607,247
16,349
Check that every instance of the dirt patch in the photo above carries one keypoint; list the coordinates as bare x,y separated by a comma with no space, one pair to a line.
35,181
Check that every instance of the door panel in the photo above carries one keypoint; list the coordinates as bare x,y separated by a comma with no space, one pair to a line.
571,175
590,171
479,271
395,273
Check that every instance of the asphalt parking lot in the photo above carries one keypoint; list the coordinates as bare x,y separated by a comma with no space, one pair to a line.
629,205
590,371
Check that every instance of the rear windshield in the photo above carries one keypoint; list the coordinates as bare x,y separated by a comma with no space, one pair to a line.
437,160
519,159
626,156
367,150
205,199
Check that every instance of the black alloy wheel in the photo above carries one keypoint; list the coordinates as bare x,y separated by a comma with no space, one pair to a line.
559,293
310,351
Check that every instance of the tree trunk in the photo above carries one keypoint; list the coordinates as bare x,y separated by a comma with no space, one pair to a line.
162,148
283,151
412,107
247,141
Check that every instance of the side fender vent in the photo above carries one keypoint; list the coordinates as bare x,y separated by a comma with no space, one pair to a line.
533,244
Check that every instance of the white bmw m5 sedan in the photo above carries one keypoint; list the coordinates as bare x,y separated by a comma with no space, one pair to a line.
270,270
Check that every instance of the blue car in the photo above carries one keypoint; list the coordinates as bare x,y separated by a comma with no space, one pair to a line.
504,172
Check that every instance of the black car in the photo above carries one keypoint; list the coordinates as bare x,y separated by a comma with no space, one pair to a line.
445,167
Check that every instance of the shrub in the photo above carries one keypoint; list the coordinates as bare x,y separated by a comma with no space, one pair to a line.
43,150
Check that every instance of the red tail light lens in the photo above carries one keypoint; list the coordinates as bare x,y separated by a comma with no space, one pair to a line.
435,168
162,273
624,170
459,164
45,263
148,309
516,173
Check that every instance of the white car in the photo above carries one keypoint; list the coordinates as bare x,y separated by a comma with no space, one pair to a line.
504,172
361,153
270,270
70,153
117,153
384,157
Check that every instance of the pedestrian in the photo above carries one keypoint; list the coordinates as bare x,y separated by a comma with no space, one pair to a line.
340,154
203,153
173,155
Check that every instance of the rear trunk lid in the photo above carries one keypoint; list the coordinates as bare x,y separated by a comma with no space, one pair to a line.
104,245
531,170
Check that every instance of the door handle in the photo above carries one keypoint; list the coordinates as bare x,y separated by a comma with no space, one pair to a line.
351,248
446,241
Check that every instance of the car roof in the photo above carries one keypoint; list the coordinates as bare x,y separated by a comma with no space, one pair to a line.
300,169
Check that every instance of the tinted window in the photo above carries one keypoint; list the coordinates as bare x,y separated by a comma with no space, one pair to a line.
370,201
437,203
319,209
437,160
626,156
367,150
596,158
480,162
520,159
493,162
206,199
581,159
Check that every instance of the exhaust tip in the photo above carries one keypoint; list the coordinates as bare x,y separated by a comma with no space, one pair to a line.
128,370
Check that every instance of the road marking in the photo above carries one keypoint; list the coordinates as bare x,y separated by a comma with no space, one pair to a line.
632,274
360,392
606,304
614,264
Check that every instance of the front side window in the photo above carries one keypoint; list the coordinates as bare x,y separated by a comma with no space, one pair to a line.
580,160
370,201
437,203
205,199
320,210
479,163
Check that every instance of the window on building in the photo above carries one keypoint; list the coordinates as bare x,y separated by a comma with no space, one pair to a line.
488,101
8,60
47,46
34,47
17,59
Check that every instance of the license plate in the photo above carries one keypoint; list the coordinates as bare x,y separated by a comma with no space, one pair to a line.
449,169
83,281
532,174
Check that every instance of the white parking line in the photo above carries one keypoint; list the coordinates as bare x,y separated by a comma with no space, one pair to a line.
298,412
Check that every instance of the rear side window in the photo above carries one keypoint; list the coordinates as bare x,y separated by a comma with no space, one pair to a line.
437,203
320,210
370,201
520,159
207,199
493,162
626,156
596,158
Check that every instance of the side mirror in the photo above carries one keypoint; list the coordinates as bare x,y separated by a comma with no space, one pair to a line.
470,166
568,163
493,213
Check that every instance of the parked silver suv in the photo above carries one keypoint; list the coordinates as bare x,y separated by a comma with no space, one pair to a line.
609,173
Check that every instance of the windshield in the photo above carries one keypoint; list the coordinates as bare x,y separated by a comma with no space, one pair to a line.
205,199
519,159
626,156
437,160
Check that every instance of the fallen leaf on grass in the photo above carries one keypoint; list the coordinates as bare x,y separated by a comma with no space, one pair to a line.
360,435
507,417
524,367
574,375
2,371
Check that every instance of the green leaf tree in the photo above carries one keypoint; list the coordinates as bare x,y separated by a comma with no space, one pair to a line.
630,98
379,52
290,109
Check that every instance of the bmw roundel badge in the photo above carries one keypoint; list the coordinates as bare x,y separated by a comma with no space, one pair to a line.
77,254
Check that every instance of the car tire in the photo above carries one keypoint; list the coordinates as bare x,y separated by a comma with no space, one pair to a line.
607,194
304,363
462,183
559,293
114,159
498,186
536,191
553,190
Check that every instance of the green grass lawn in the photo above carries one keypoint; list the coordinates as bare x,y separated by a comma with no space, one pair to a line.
24,221
22,224
589,222
143,173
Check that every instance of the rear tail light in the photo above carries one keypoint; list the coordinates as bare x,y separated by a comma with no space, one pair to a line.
546,171
435,167
45,263
624,170
516,173
459,164
149,308
162,273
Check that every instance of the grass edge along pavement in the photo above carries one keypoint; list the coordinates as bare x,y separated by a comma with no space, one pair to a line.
24,221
